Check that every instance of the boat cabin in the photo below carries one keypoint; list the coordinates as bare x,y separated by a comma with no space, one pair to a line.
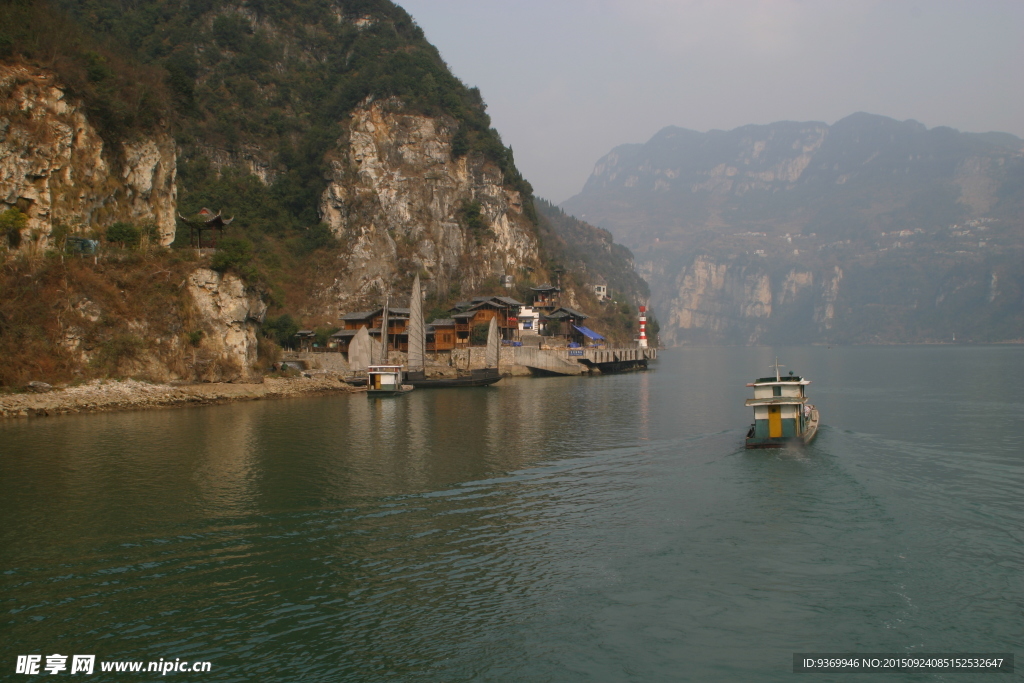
384,378
781,411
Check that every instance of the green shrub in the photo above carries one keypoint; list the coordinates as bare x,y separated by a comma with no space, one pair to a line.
471,216
323,335
124,234
317,237
478,335
12,222
281,330
234,253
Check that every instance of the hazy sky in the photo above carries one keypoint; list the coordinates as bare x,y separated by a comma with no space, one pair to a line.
567,80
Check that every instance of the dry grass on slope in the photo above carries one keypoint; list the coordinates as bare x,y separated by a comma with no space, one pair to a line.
126,314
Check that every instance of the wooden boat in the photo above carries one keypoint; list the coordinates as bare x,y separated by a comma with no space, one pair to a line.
385,380
416,375
782,415
471,378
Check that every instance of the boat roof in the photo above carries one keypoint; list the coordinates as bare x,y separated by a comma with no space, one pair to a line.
791,379
776,401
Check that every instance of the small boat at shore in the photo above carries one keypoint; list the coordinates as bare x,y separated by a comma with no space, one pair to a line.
385,380
782,414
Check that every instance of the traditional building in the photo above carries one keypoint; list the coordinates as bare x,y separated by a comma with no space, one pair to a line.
398,324
441,335
305,339
546,297
479,311
341,339
205,221
570,323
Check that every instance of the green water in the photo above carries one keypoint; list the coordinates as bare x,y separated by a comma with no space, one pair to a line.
562,529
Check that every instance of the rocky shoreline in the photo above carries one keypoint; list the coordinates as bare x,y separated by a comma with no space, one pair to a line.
110,395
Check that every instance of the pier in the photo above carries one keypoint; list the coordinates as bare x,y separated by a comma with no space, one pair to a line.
570,361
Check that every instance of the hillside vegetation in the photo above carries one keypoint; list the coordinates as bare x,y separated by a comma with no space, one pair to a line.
264,99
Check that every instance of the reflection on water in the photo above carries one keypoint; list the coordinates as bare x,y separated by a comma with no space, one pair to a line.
540,529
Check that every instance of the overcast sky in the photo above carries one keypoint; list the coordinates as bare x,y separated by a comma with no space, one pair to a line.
567,80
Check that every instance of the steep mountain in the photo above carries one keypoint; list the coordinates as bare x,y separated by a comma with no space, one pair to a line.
591,253
348,155
583,256
869,230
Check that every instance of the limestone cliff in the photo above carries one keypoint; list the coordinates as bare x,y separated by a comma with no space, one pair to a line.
740,301
56,168
859,231
395,198
229,315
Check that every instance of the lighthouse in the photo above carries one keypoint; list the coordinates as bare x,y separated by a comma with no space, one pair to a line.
643,327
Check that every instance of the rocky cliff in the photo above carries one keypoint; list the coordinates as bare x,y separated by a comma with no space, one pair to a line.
856,232
228,314
332,133
56,168
397,199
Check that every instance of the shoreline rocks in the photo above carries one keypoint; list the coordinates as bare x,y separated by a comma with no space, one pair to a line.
111,395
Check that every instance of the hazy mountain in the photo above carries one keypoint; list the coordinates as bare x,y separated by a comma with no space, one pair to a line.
867,230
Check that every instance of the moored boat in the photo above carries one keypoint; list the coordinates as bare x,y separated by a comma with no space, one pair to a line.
481,377
416,375
782,414
385,380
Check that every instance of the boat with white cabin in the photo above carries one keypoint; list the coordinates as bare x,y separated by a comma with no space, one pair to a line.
782,414
384,379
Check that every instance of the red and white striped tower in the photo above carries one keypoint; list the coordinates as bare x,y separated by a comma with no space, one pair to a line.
643,327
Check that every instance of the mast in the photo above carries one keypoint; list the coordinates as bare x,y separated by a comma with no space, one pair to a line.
384,335
493,345
417,333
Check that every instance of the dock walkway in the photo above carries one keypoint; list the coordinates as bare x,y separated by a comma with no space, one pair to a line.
577,361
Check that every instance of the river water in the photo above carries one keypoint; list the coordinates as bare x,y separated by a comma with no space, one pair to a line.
562,529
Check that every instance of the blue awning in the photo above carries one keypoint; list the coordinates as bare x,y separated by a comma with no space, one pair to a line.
588,333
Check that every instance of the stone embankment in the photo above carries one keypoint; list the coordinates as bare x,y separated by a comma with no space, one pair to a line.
107,395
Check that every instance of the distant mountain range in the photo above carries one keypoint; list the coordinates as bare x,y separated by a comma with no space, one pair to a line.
868,230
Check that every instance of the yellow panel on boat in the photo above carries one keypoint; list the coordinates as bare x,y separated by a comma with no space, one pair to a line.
774,421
